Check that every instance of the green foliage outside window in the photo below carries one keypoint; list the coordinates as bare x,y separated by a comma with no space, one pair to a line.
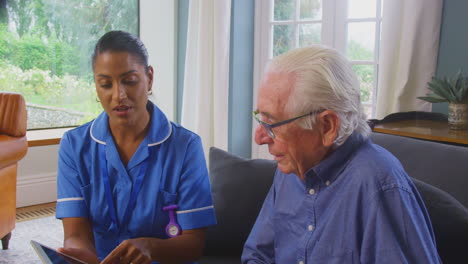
46,48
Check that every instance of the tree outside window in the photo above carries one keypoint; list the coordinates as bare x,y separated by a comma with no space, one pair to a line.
45,54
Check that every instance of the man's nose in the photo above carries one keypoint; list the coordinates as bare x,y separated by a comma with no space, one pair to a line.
261,136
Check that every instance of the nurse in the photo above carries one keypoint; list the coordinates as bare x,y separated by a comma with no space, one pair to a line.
132,186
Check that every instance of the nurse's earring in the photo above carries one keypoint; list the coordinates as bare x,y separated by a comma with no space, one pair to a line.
150,92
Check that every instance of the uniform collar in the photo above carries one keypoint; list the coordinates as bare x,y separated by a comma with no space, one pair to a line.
331,167
159,131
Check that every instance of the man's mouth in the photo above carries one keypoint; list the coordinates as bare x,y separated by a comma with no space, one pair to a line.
277,156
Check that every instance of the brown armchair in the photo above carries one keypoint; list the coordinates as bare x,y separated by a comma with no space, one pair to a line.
13,147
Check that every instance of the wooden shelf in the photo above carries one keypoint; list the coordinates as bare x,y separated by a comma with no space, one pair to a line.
424,129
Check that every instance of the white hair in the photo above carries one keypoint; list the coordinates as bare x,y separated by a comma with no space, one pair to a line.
324,80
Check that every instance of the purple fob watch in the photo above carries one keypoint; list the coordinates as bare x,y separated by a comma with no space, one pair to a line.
172,229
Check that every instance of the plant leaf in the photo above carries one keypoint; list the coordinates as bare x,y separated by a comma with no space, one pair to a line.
448,89
432,99
433,95
437,86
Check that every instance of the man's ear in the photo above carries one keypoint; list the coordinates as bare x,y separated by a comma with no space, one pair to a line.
329,123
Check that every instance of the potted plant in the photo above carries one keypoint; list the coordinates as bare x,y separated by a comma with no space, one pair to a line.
455,92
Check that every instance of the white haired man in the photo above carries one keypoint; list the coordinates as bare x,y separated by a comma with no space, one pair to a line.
336,196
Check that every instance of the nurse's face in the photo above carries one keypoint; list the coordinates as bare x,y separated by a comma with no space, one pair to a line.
122,85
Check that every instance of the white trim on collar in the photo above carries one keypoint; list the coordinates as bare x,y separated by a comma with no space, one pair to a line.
164,139
92,136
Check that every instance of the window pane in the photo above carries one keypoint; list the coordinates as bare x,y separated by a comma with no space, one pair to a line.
310,34
311,9
45,54
283,38
361,8
284,10
361,39
368,111
365,74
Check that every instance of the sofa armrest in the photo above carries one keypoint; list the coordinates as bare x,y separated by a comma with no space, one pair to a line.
12,149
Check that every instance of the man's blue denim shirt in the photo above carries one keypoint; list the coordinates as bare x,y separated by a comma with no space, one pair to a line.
356,206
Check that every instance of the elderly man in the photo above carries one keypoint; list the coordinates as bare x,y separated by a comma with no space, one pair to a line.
336,196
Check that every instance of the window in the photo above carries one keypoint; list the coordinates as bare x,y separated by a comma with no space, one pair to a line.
350,26
45,54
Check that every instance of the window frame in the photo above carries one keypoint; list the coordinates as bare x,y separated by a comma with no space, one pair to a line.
39,130
154,16
334,24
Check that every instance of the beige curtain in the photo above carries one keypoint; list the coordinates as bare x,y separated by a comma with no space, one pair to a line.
408,54
206,80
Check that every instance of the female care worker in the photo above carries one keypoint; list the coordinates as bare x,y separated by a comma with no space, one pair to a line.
132,186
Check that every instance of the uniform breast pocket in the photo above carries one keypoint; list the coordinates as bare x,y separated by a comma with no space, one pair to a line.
167,198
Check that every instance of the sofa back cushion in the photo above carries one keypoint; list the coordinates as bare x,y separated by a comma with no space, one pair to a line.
449,220
239,187
441,165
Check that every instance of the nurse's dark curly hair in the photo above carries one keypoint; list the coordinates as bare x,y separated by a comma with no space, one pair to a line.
121,41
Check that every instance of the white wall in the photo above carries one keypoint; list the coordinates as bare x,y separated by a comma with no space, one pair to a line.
158,32
37,172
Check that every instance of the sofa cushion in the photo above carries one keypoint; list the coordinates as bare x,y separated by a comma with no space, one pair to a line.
239,187
449,220
441,165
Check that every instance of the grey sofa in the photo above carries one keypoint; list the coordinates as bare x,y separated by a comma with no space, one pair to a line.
439,171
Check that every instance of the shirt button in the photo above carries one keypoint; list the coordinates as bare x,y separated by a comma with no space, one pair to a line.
327,183
301,262
311,191
310,227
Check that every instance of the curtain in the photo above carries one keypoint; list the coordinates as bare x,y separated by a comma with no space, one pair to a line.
408,54
206,80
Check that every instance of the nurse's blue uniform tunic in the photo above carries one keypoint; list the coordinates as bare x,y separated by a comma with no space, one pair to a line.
176,174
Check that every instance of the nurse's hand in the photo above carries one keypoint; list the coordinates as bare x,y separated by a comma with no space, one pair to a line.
81,254
134,251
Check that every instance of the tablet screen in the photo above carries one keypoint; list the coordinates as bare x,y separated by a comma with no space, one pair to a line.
51,256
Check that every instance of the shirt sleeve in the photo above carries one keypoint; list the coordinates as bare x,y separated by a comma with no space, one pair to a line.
195,202
259,247
394,234
70,200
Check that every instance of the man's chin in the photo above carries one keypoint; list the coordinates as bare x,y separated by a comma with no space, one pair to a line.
284,168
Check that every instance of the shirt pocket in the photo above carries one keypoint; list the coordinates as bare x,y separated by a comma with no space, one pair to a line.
329,255
167,198
149,219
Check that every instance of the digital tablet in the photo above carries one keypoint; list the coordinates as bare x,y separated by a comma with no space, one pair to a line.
51,256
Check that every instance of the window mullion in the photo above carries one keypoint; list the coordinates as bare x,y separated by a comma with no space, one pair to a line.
297,8
341,26
328,22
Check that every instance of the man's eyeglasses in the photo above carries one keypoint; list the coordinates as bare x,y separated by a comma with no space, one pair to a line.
269,127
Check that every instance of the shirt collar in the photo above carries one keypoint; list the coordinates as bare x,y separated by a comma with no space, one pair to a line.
159,131
333,165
